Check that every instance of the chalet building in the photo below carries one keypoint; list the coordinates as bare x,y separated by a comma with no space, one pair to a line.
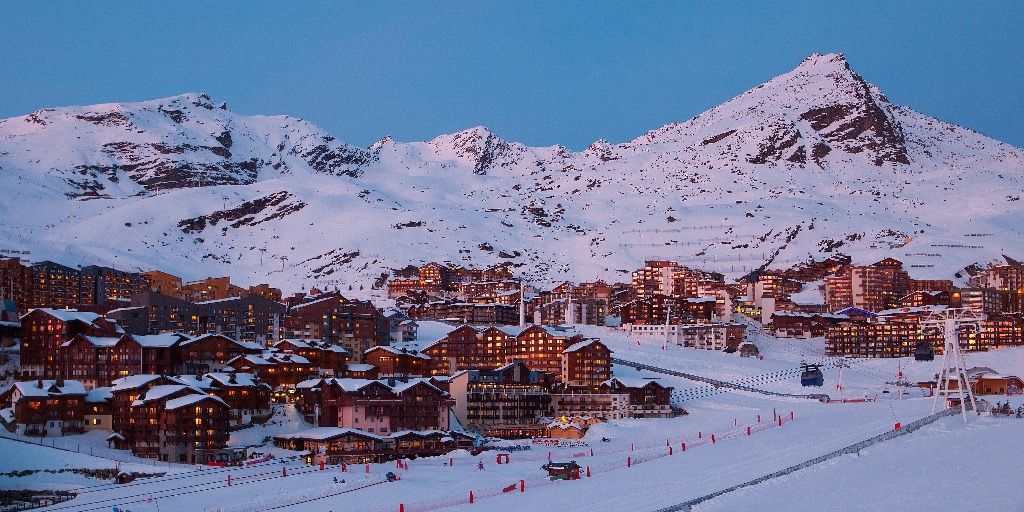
55,285
648,398
361,371
163,283
248,397
709,336
996,384
178,423
814,270
334,445
48,407
251,318
97,414
378,407
125,391
653,310
468,347
278,370
356,326
394,362
586,364
467,312
210,352
154,313
329,360
16,283
161,353
607,406
402,328
99,284
785,324
305,319
507,402
97,361
473,289
44,330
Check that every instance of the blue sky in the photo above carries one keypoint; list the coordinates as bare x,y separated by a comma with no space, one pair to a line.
541,73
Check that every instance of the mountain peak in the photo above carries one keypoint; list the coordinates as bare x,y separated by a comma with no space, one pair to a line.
818,62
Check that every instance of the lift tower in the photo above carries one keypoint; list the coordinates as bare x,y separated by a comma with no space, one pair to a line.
952,379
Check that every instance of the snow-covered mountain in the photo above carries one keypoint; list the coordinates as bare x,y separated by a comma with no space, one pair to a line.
812,162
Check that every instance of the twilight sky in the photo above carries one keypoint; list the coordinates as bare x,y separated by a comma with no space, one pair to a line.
540,73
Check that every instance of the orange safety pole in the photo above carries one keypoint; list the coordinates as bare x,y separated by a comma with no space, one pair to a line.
712,438
522,486
471,496
670,450
588,471
629,462
284,471
321,465
780,422
367,468
229,479
684,447
401,507
748,430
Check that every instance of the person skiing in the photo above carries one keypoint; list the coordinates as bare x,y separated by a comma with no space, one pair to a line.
480,465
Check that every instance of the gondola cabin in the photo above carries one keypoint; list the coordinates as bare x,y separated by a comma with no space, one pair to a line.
924,352
811,376
562,470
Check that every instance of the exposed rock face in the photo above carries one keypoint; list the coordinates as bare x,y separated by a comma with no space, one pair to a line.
811,162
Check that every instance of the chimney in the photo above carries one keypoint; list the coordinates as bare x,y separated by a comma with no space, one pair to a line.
59,382
39,383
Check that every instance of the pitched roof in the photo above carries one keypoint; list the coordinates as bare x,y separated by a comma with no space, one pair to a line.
185,401
585,343
31,388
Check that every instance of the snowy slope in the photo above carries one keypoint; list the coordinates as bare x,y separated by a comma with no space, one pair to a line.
813,161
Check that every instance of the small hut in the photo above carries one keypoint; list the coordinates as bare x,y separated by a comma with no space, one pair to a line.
117,442
562,470
748,349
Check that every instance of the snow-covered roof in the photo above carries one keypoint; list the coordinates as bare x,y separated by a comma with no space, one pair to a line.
214,301
565,426
244,344
296,342
186,401
99,395
161,340
360,367
916,309
401,387
326,434
95,341
133,382
67,315
634,382
7,415
161,391
393,350
118,310
579,345
32,388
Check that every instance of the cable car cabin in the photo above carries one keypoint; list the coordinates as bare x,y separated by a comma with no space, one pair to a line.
562,470
811,375
924,352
